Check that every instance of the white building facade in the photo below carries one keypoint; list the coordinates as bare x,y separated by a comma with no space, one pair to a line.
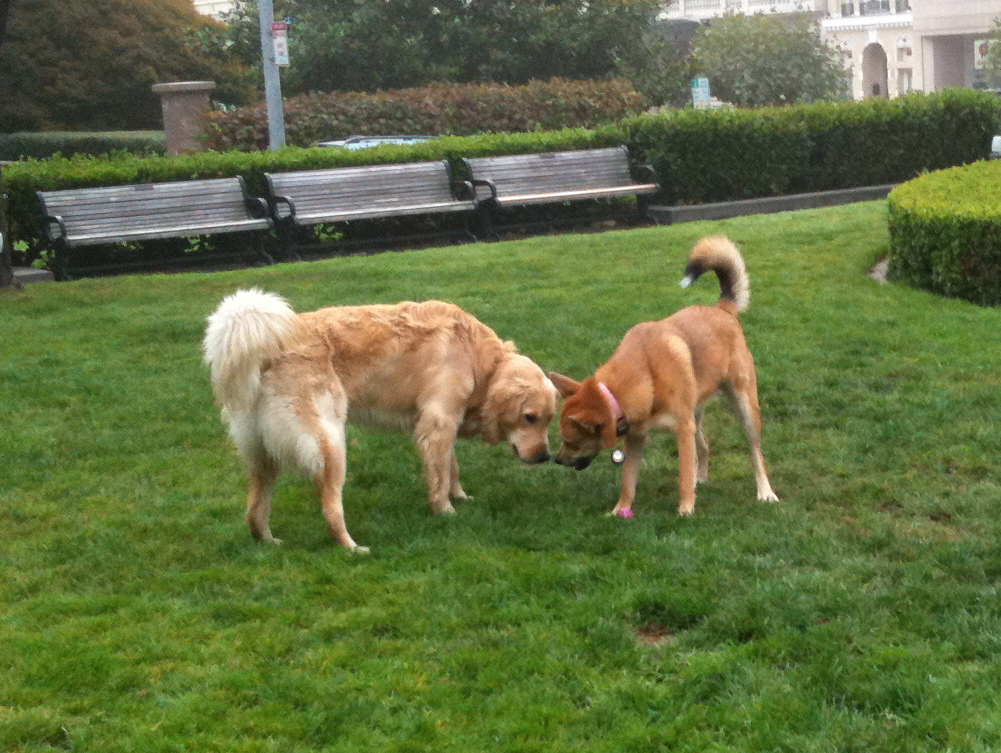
888,47
214,8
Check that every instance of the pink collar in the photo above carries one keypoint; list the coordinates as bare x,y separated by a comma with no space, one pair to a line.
621,425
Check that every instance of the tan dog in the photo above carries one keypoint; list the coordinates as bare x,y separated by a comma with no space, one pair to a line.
661,376
288,383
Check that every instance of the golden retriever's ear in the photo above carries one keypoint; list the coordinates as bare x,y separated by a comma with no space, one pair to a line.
564,384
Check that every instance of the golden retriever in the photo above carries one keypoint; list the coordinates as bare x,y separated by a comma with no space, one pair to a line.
660,378
288,383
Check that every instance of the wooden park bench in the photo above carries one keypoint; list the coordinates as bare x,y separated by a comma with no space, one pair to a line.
114,215
525,179
343,194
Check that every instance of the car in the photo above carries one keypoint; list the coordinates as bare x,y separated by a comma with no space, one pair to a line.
367,142
996,147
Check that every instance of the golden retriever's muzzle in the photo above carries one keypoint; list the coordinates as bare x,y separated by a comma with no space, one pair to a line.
539,456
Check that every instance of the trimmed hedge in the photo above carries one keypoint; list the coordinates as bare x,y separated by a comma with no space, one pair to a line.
436,110
15,146
701,156
705,156
945,233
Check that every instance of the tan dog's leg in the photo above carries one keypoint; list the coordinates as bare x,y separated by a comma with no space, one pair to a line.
630,472
259,491
435,435
745,406
687,465
701,448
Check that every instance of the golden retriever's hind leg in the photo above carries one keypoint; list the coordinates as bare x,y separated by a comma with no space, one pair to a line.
701,449
330,485
745,406
435,437
259,492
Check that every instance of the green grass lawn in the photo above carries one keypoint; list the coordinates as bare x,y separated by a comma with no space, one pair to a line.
860,614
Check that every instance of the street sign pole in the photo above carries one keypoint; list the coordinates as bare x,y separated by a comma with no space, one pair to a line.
272,81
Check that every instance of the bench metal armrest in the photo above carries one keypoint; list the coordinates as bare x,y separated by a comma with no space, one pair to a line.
47,222
486,184
646,172
463,189
257,207
274,201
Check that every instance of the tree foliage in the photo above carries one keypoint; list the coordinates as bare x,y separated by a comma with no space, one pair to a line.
365,46
90,64
767,60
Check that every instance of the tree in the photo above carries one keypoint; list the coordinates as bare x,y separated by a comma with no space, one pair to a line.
6,265
90,64
767,60
659,64
992,65
367,45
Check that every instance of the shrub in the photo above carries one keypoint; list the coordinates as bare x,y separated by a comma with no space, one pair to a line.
438,110
41,145
945,232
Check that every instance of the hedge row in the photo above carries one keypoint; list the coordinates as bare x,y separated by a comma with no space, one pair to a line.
945,232
704,156
437,110
701,156
42,145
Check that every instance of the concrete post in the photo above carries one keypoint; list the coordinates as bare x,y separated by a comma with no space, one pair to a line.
183,102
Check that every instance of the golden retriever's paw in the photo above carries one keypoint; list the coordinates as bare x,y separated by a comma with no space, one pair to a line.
359,550
768,496
686,511
445,509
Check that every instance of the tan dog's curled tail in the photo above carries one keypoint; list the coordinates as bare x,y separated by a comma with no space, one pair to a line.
248,328
719,254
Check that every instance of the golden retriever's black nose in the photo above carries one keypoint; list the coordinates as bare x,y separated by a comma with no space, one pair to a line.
542,456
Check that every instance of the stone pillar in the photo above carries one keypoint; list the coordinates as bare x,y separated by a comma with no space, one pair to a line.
184,102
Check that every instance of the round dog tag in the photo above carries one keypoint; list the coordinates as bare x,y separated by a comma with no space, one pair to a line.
618,457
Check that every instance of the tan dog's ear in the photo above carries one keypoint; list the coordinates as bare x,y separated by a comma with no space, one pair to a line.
564,384
587,429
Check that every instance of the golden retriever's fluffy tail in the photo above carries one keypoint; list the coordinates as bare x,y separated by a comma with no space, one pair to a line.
720,255
248,328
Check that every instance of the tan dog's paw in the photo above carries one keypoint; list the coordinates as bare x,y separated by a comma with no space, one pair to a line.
442,509
360,550
768,496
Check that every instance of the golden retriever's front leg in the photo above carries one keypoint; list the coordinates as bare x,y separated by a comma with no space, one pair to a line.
687,462
435,436
630,475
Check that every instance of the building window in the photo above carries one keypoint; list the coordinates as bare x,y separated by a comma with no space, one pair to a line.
873,7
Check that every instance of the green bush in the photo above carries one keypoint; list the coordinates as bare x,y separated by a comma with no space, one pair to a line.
438,110
700,156
945,232
23,145
705,156
888,141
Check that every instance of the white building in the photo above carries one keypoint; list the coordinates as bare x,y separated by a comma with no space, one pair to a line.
214,8
889,47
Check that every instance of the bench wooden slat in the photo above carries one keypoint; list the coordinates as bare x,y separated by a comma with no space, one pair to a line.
178,209
367,192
